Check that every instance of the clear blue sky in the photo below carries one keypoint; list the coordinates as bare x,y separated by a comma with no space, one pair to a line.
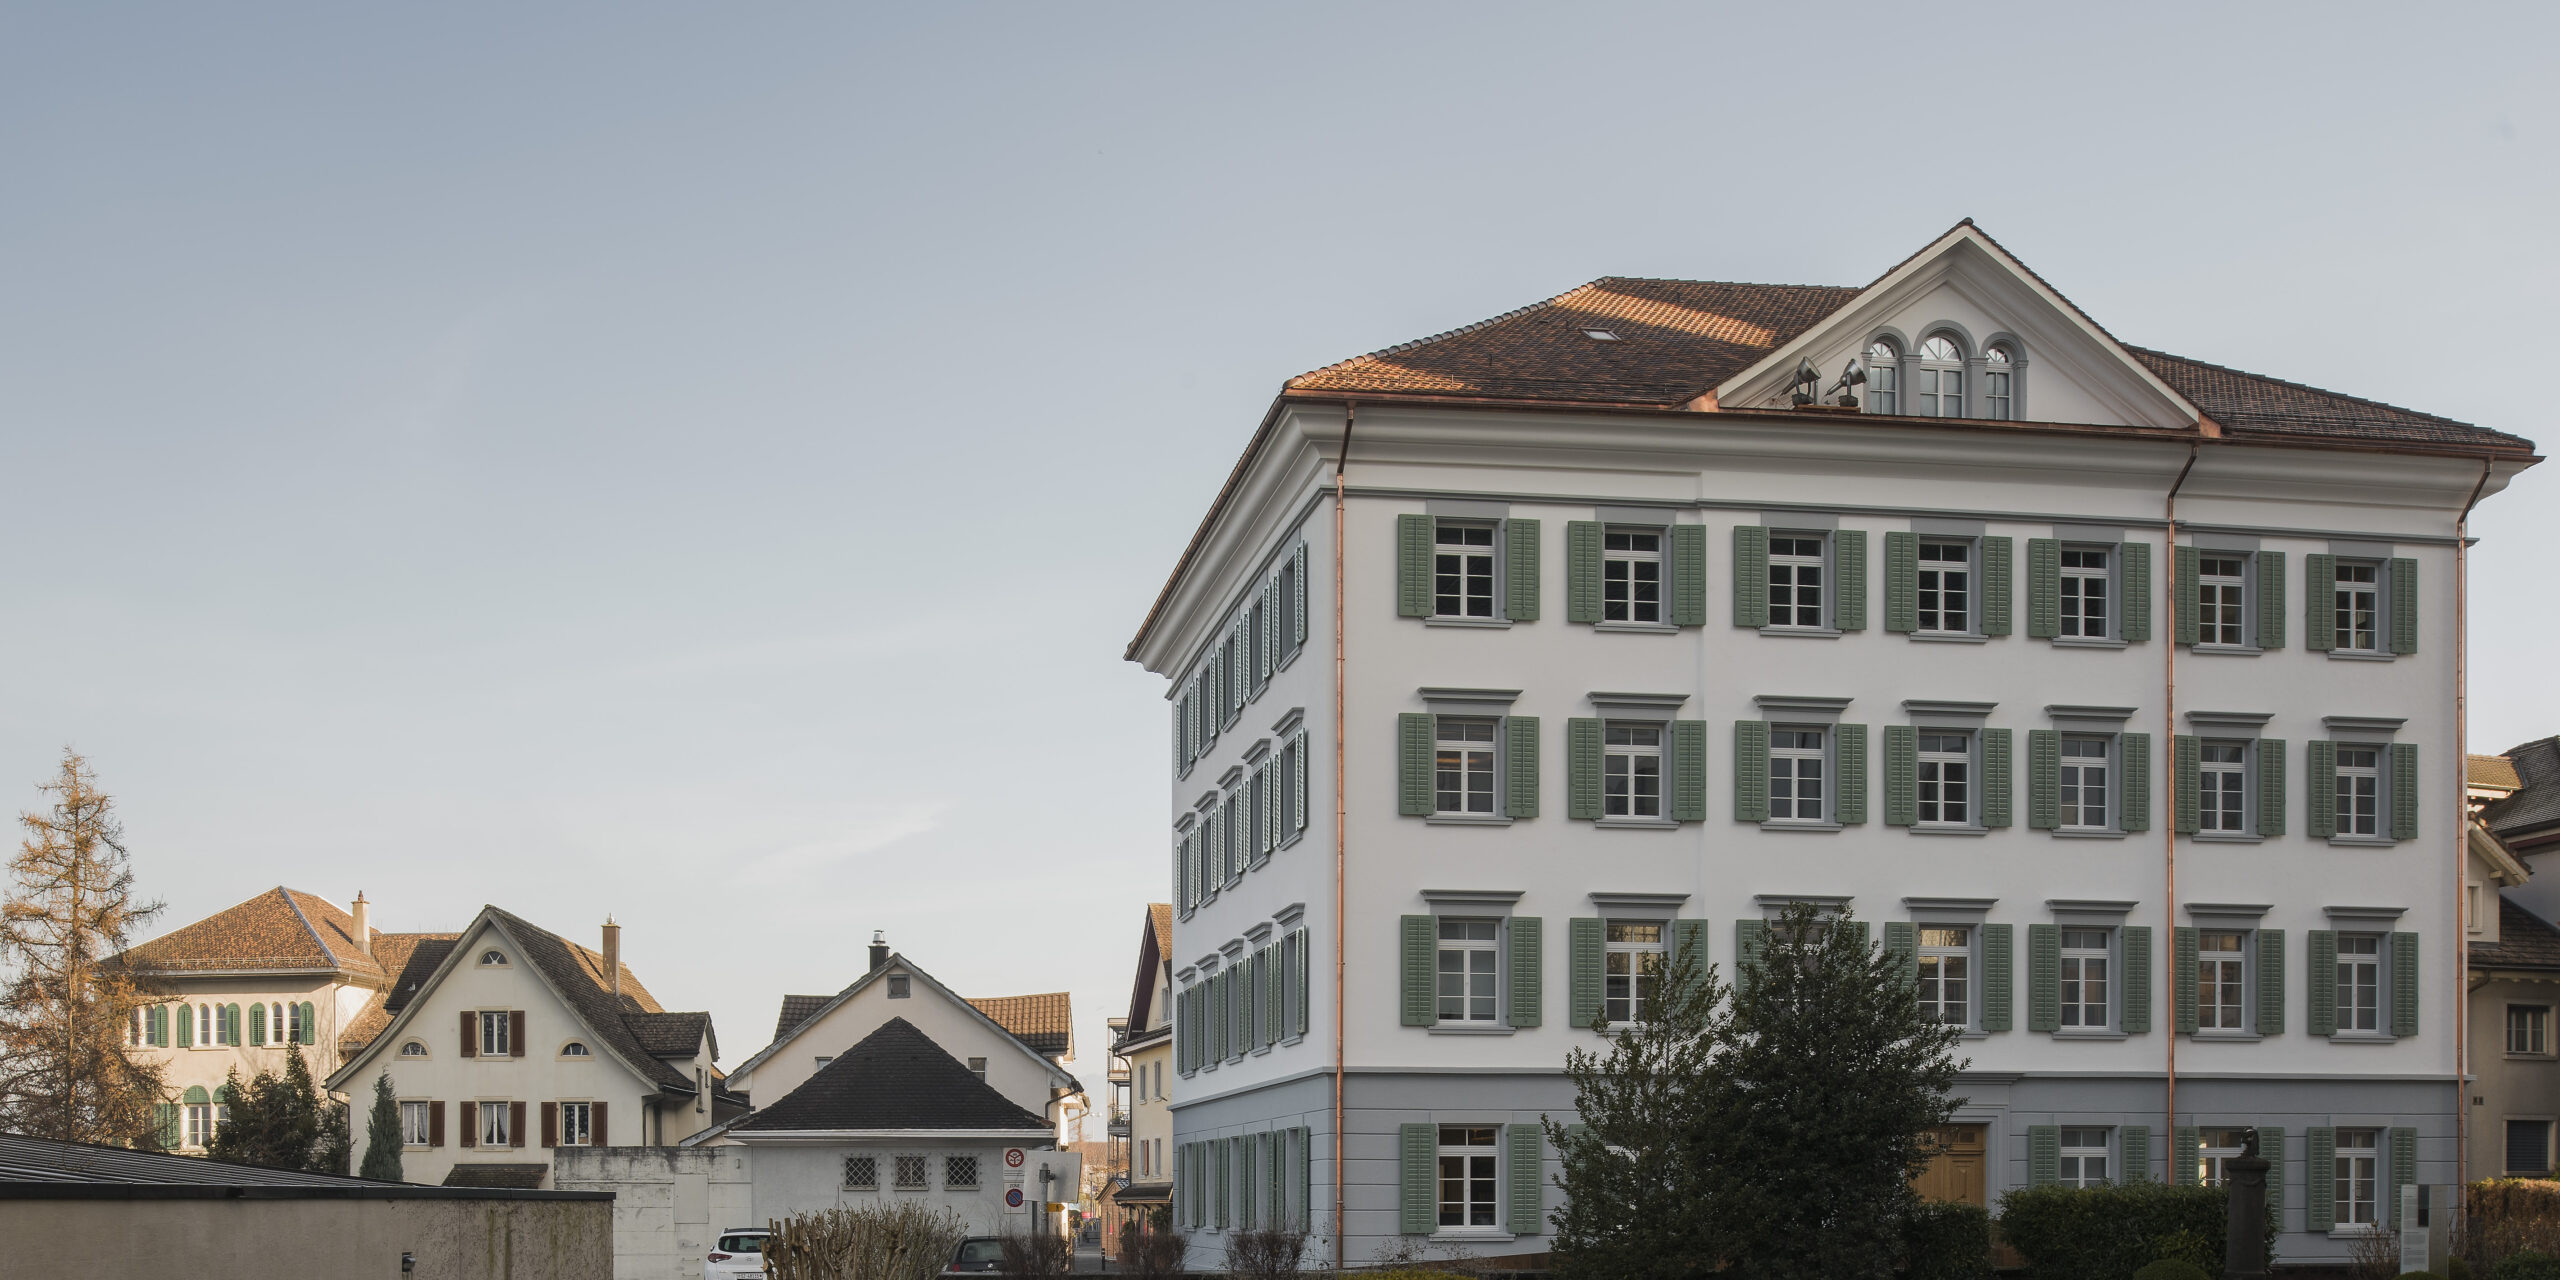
702,463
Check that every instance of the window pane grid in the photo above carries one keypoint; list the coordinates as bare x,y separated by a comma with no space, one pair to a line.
2084,1157
2221,979
2084,783
2222,787
1634,962
1463,771
1946,974
1796,761
1468,1182
2529,1028
1630,576
2084,592
1631,771
2358,607
2219,620
2357,1156
1946,779
2359,791
2084,978
1945,586
1469,953
1462,571
2359,982
1795,580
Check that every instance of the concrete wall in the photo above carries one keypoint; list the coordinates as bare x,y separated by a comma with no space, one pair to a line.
350,1239
669,1203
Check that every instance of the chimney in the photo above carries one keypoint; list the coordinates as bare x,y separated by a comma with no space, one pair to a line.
363,913
879,950
613,957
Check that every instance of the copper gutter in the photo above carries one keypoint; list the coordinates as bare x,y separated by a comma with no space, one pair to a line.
1341,828
2169,713
2462,832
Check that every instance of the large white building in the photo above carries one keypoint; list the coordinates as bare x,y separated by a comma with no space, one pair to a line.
2116,690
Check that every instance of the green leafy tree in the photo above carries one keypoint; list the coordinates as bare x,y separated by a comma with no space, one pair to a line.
382,1136
280,1122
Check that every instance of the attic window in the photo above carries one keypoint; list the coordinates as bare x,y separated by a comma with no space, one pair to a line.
574,1049
413,1049
1599,335
897,986
492,958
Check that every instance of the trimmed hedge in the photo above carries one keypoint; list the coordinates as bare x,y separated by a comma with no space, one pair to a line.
2171,1269
2109,1233
2526,1264
1947,1240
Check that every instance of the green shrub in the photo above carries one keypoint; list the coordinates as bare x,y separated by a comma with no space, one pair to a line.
2107,1233
1947,1240
2457,1268
2526,1264
2171,1269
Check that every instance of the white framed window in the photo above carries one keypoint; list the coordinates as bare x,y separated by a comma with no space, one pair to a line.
1941,378
2214,1151
1462,575
959,1173
2222,580
1946,973
1633,965
577,1124
1470,968
898,986
2086,575
862,1173
2222,787
1631,770
2357,601
1470,1188
493,1124
2359,791
1462,775
493,959
1631,575
1795,579
1798,756
2528,1148
2084,1156
1884,377
2529,1030
494,1042
200,1124
1946,778
2360,982
1945,583
413,1049
2222,979
576,1049
1999,382
417,1123
2358,1158
2086,973
2084,782
911,1172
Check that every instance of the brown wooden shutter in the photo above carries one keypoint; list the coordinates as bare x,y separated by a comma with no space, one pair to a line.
515,1034
470,1037
435,1124
550,1124
470,1117
595,1125
515,1124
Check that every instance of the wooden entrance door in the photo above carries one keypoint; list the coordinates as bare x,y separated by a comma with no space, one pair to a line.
1957,1171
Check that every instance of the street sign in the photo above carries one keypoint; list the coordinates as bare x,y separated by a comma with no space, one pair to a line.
1013,1199
1013,1157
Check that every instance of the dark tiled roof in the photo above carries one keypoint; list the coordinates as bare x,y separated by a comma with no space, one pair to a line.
2536,804
2490,772
897,1078
2525,941
1045,1021
673,1035
521,1177
395,952
579,974
25,1159
796,1010
2253,404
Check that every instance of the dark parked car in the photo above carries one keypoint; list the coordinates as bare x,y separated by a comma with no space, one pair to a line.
976,1254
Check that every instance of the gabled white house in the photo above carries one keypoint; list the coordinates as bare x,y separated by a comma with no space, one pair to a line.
509,1040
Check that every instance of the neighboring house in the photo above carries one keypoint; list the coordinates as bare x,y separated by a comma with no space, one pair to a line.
508,1039
2515,963
1146,1042
1639,642
284,968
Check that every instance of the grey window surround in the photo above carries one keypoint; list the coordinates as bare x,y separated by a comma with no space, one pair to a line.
1933,527
2088,533
1949,911
1662,905
1635,824
1481,624
1257,933
2239,542
1947,637
1442,701
1471,511
1659,517
1289,721
2111,833
1466,820
1801,708
2227,650
1233,775
2099,719
2356,549
1809,521
2236,544
1290,915
1924,829
1659,708
1465,509
1261,747
2230,723
1804,633
2360,655
1460,901
1826,526
2366,726
1233,950
1933,713
1970,533
2085,1033
2087,642
1774,905
1797,824
2365,919
1460,1029
1183,824
2090,913
1638,628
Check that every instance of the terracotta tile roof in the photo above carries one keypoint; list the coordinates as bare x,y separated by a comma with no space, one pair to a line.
1160,914
2248,404
2491,773
796,1010
2525,941
1045,1022
897,1078
279,929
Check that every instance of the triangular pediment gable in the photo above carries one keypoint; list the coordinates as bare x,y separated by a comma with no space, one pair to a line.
1966,286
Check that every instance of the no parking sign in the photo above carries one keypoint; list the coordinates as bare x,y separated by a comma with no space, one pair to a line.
1013,1199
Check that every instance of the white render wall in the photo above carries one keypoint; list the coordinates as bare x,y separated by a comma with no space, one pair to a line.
209,1065
669,1204
958,1028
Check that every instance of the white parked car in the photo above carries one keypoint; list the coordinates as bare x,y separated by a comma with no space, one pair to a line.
738,1253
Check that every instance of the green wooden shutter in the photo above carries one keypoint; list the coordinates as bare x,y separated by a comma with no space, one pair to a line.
2269,757
310,1027
1528,970
2404,791
1750,770
2319,606
1901,775
2136,582
2044,1155
2182,592
1520,567
1849,760
1413,566
2404,607
1527,1148
1998,966
1586,949
1849,579
1413,765
2271,1146
2133,1144
1421,953
1750,576
2137,979
2187,781
1520,766
1419,1193
2044,588
1688,770
1582,768
1582,570
1902,943
1747,939
1996,589
2404,984
2044,978
2319,1188
1996,770
1689,575
258,1023
2182,979
2271,607
1901,582
2135,811
2319,789
2404,1167
2270,982
2320,961
2044,779
186,1026
1689,938
166,1113
2186,1155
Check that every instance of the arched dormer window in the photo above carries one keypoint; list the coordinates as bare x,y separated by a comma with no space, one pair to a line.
492,958
575,1049
1999,383
1884,377
1941,378
413,1049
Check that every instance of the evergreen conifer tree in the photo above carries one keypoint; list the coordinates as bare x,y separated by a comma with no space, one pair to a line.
382,1136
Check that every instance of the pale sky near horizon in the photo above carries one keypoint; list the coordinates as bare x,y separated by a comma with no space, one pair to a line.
702,463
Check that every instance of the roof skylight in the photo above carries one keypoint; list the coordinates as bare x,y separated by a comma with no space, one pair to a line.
1599,335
